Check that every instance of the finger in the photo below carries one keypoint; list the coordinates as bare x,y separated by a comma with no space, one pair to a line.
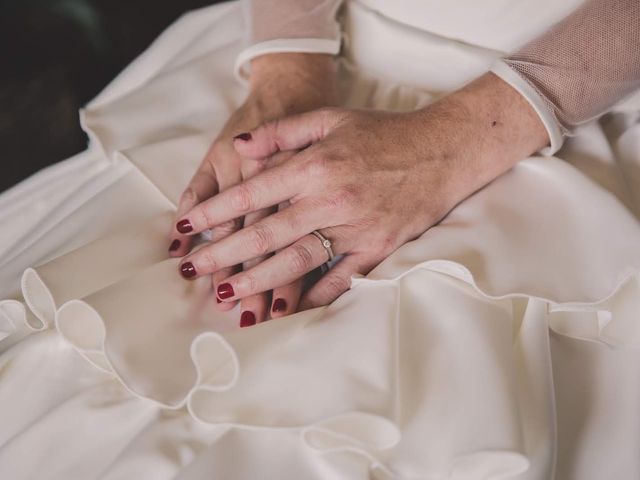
289,133
252,166
285,299
223,231
219,278
266,189
202,185
221,275
335,282
268,235
285,267
254,308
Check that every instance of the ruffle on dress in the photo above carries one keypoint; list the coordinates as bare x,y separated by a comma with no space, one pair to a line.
439,312
436,365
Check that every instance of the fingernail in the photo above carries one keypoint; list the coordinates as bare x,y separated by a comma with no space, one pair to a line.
188,270
218,300
279,305
174,245
184,226
225,290
245,137
247,319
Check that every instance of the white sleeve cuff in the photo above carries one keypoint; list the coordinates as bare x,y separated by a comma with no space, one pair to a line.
513,78
283,45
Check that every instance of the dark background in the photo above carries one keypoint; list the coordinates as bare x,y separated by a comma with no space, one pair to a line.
55,55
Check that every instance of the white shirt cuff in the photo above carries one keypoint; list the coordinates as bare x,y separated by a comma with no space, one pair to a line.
513,78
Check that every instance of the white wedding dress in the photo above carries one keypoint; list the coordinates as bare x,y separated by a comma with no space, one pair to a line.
503,343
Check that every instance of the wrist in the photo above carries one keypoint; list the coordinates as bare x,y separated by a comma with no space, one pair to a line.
292,66
492,128
304,79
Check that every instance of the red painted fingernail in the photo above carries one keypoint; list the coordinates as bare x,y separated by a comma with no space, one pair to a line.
218,300
188,270
279,305
174,245
247,319
225,290
184,226
245,137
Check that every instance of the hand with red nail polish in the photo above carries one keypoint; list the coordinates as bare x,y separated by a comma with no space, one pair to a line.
280,84
365,182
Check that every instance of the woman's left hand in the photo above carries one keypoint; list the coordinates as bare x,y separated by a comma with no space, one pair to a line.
280,84
369,181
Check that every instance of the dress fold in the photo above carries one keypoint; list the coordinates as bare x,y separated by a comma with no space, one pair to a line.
461,356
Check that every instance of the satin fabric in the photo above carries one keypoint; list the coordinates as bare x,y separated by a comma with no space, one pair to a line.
503,343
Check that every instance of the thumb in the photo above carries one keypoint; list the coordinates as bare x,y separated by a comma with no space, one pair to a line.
289,133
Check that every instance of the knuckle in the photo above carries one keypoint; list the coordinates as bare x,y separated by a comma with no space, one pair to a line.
249,264
384,244
249,283
271,129
203,214
260,239
388,244
208,260
221,151
252,167
312,168
301,259
241,198
331,116
325,110
189,197
216,149
344,198
336,285
319,167
329,113
228,227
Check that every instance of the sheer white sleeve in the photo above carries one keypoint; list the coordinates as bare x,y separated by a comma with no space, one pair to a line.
580,67
276,26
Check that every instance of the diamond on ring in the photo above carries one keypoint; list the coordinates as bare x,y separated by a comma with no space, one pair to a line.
326,243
